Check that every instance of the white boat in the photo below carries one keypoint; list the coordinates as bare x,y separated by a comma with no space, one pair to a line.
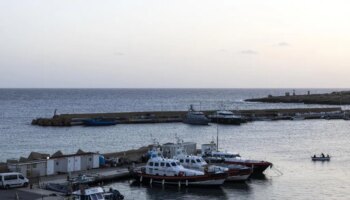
212,155
195,117
235,172
96,193
89,193
169,171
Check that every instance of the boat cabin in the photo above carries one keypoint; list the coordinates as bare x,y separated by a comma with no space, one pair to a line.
168,167
94,193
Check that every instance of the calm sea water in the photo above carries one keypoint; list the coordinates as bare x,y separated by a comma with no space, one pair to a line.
288,144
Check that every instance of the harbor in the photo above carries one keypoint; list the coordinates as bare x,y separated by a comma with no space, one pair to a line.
280,134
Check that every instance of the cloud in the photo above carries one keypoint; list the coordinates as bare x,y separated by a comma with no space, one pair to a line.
283,44
249,52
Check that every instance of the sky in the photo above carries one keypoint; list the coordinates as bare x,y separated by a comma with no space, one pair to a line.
174,44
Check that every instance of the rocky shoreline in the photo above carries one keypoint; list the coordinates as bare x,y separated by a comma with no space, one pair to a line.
334,98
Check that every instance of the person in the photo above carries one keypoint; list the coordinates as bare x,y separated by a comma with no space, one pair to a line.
322,155
327,156
314,155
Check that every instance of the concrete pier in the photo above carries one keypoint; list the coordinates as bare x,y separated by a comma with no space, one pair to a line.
167,116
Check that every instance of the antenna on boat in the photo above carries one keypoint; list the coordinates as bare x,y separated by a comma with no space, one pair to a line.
217,134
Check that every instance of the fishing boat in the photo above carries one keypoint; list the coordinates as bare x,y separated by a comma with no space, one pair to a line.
169,171
226,117
212,155
322,157
195,117
99,122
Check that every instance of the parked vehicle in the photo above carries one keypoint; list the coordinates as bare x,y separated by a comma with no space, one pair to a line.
13,179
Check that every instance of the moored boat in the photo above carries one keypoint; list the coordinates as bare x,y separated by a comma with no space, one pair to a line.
170,171
99,122
226,117
195,117
210,153
235,172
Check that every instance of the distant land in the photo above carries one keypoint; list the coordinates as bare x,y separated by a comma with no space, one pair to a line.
334,98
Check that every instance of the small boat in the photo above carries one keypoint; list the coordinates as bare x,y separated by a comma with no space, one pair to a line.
97,193
321,158
226,117
195,117
169,171
99,122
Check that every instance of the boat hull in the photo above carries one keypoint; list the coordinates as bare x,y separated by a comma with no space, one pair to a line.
320,158
202,180
226,121
258,167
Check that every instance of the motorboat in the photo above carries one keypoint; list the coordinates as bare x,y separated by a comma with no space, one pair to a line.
212,155
97,193
226,117
322,157
100,122
235,172
195,117
169,171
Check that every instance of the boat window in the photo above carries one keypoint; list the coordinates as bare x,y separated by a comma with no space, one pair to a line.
187,161
150,164
21,177
173,164
198,160
192,161
156,164
181,160
168,165
99,196
162,164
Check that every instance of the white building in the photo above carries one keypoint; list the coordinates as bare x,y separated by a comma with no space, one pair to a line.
33,168
74,162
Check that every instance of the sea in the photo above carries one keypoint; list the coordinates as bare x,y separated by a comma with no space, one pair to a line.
287,144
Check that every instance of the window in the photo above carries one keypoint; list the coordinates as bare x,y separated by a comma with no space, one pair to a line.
90,159
173,164
192,161
57,163
34,166
150,164
181,160
187,161
168,165
198,160
162,164
156,164
10,177
20,176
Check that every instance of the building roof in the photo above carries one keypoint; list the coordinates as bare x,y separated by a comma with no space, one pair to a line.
73,155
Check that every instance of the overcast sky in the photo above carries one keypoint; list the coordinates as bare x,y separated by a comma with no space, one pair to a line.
176,44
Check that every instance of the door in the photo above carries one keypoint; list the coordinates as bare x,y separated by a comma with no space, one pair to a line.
96,161
70,164
77,163
50,167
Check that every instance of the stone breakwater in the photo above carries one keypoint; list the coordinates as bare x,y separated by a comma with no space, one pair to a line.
170,116
334,98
